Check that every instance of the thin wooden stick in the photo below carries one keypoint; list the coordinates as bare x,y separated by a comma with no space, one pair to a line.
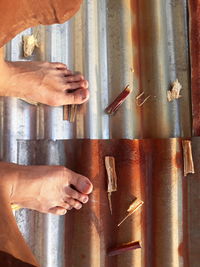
187,156
112,178
124,248
70,112
114,106
132,209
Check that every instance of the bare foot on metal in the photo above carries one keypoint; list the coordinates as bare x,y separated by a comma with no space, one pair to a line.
47,189
48,83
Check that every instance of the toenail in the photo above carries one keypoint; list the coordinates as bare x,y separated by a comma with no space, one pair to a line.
78,206
83,95
85,199
85,187
64,212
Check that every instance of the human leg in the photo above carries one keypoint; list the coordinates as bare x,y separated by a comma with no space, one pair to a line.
48,189
13,249
44,82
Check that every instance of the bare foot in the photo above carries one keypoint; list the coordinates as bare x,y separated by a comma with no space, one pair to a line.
48,83
48,189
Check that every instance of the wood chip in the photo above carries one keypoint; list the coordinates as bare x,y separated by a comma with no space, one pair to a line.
112,178
135,205
29,44
187,156
174,93
124,248
114,106
70,112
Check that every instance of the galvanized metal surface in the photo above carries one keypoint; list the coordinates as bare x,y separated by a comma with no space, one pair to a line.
105,41
159,226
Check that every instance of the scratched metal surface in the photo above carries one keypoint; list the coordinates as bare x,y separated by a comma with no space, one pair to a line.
105,41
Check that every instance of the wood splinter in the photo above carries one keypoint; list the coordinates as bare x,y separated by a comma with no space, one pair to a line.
123,248
188,159
114,106
135,205
174,93
112,178
70,112
30,42
140,102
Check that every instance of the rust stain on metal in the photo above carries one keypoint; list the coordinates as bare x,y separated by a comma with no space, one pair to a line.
194,19
178,160
132,209
187,156
114,106
136,38
124,248
174,93
112,178
145,169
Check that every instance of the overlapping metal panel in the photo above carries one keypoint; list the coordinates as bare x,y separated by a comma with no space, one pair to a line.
106,41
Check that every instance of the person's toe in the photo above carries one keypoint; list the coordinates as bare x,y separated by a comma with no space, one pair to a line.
74,203
77,97
81,183
64,73
57,211
75,85
76,195
74,78
58,65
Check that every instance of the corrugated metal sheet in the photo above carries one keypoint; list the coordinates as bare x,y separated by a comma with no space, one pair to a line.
105,41
150,170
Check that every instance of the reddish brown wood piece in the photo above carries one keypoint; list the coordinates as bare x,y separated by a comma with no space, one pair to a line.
114,106
124,248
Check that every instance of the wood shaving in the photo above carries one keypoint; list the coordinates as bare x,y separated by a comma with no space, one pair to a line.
135,205
29,44
70,112
174,93
112,178
187,156
140,101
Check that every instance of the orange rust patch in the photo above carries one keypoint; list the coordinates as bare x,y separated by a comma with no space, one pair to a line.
178,161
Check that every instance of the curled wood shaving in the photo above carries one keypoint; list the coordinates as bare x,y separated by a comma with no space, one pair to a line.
174,93
140,101
187,156
135,205
112,178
